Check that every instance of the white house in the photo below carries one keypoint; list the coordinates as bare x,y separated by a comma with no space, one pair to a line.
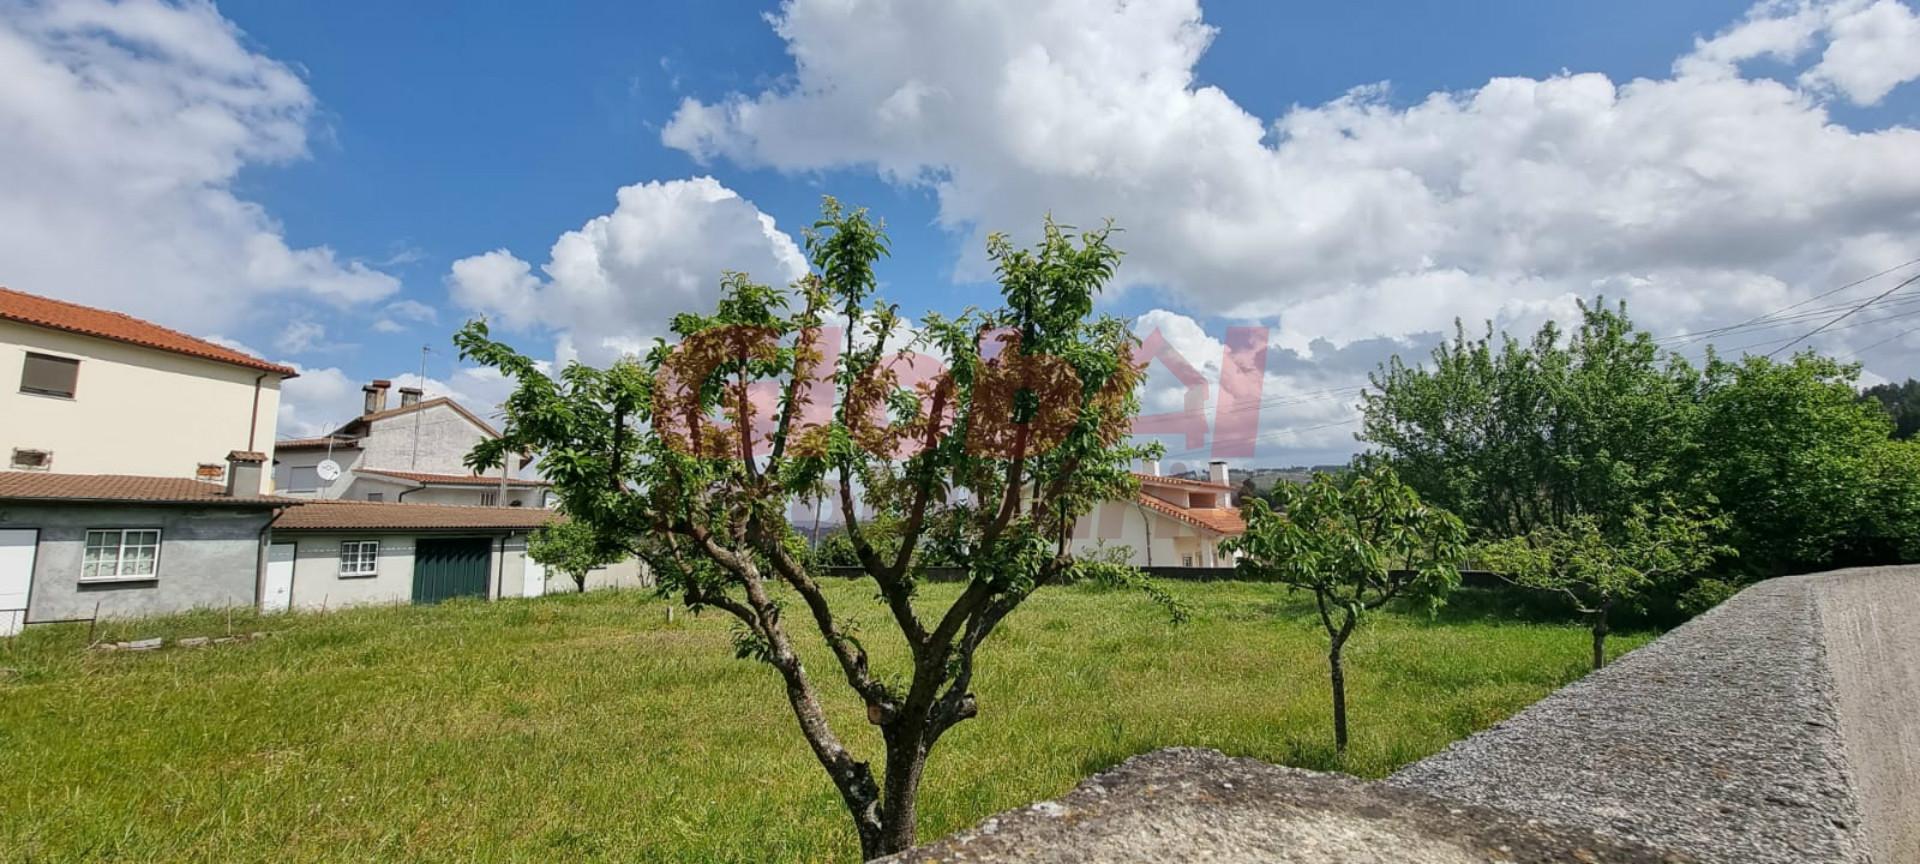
414,453
1172,522
88,391
133,483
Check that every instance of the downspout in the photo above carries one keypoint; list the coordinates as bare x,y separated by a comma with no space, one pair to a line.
253,419
1146,521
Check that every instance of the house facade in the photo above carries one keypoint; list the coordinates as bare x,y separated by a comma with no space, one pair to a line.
81,546
89,391
413,452
331,554
1172,522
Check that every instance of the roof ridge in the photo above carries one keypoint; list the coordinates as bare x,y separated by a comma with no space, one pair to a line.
213,350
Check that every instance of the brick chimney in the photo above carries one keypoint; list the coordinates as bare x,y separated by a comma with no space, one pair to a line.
409,396
376,396
243,472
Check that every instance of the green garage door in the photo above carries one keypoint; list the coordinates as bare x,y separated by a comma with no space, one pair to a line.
450,568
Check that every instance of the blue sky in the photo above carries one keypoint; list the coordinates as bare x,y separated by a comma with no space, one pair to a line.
319,170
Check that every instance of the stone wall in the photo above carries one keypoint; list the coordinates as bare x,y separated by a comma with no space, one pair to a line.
1783,726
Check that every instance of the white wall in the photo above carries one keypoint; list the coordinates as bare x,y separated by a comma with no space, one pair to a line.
317,582
347,457
1120,523
134,410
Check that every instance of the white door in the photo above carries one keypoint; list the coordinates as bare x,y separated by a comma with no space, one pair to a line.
534,583
276,594
17,546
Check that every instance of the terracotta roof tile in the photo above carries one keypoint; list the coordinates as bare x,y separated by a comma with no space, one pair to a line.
103,324
1181,482
452,479
380,516
1219,520
39,486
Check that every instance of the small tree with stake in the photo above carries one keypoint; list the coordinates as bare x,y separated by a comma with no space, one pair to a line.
693,455
1597,573
571,548
1356,544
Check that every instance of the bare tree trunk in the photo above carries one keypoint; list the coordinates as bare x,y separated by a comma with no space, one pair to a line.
1339,677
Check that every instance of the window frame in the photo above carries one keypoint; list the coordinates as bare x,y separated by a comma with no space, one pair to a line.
359,557
74,362
46,459
489,499
120,559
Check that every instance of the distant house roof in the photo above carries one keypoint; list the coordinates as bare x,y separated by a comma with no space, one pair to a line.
357,425
320,443
1181,482
424,478
1219,520
125,488
102,324
374,516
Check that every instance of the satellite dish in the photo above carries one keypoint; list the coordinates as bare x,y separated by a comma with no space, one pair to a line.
328,470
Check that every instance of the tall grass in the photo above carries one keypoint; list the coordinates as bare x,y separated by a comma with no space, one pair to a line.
589,728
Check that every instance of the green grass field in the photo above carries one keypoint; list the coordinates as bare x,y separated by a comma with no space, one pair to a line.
589,728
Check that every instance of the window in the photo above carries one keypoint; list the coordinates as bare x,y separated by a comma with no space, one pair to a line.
360,558
121,553
488,499
49,376
303,478
32,460
1186,560
376,496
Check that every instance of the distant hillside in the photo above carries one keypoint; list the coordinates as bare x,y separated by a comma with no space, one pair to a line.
1266,478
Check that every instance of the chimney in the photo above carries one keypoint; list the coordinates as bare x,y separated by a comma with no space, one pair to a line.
1153,467
1217,472
243,473
409,396
376,396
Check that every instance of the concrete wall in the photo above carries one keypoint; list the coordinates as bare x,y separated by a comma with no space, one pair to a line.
209,558
446,437
181,410
628,574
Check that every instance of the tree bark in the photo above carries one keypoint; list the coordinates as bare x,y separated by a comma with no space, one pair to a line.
1339,678
899,811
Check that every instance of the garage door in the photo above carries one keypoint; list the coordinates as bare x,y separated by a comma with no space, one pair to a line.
451,568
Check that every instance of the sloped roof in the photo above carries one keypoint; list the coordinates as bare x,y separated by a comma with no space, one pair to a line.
423,405
451,479
126,488
320,443
376,516
1182,482
1219,520
119,327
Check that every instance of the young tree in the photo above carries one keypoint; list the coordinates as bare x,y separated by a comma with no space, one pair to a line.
1597,571
571,548
987,460
1356,544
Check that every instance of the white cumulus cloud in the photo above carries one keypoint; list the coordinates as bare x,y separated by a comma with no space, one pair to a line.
122,128
1704,196
614,283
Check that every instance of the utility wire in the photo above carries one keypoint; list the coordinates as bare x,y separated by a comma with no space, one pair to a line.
1844,315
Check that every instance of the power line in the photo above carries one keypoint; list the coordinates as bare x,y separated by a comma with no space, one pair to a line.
1791,306
1844,315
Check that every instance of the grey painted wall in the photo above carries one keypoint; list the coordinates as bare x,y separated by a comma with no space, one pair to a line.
209,558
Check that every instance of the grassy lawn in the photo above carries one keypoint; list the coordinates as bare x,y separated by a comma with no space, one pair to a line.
589,728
